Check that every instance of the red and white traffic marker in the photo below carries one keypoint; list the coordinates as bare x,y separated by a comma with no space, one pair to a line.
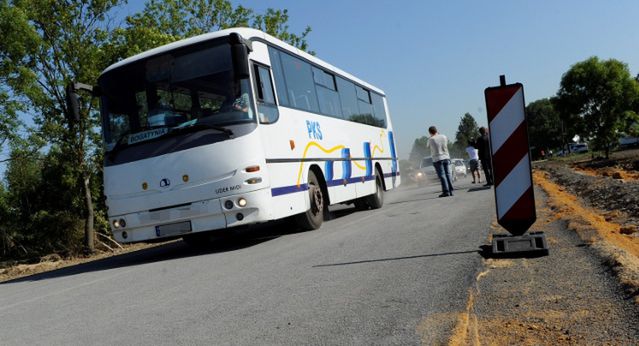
510,157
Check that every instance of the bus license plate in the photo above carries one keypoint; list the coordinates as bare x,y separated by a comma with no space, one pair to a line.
173,229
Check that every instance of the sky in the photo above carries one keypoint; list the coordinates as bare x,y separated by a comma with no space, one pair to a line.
435,58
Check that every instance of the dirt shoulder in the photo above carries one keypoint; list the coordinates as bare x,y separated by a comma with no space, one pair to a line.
600,201
11,270
587,290
565,298
609,186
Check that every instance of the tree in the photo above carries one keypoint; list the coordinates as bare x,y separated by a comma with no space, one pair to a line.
466,131
162,22
419,150
64,41
601,94
14,28
48,44
455,151
544,125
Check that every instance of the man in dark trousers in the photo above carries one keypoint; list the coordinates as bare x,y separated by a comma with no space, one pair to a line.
438,145
483,146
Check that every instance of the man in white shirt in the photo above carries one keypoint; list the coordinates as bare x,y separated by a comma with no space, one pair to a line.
474,160
438,145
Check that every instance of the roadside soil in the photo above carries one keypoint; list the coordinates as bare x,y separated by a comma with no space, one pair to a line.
611,186
586,291
12,270
566,298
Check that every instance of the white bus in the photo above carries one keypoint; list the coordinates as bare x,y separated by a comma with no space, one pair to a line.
234,128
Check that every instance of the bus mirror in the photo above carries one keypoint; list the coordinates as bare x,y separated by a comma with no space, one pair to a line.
73,104
239,50
73,99
240,61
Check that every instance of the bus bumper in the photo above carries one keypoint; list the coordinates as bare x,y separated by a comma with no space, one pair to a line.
200,216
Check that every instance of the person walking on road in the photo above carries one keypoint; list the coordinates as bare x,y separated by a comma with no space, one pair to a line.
474,161
483,146
438,145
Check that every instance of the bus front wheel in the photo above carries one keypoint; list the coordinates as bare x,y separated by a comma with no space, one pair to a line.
314,216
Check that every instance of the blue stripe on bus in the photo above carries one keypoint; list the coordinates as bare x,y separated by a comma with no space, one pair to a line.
278,191
338,182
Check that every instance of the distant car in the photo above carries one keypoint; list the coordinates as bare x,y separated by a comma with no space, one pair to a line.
427,173
459,167
628,142
578,147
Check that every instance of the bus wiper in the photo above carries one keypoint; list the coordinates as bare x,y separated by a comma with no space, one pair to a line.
123,142
200,126
120,144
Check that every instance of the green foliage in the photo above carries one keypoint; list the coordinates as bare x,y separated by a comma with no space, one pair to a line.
633,130
467,131
544,125
596,98
53,44
18,40
43,217
6,236
162,22
419,150
455,151
54,174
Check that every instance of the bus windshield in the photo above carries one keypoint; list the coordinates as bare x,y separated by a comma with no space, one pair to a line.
151,97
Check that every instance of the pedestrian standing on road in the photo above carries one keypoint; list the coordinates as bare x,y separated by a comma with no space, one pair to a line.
483,146
474,160
438,145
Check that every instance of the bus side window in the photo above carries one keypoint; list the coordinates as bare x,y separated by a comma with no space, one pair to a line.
266,107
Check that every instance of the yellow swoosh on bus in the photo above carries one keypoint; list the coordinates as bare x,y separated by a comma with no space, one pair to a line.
375,148
314,144
337,147
381,150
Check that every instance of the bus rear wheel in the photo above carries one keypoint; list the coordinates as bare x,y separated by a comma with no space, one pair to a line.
314,216
376,200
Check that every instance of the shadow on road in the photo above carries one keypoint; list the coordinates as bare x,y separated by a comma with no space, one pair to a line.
414,200
397,258
160,253
232,241
484,251
480,188
487,252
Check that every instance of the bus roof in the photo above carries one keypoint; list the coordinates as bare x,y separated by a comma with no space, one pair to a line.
249,34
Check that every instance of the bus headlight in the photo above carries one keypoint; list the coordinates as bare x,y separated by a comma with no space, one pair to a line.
119,223
252,181
228,204
241,202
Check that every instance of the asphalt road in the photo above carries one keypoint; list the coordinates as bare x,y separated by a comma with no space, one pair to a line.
366,277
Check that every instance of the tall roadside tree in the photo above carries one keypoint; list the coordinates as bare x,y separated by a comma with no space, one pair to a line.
162,22
544,125
18,41
419,150
50,43
466,131
600,95
58,42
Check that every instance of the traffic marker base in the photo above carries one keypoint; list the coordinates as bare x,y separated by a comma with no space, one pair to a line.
527,243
